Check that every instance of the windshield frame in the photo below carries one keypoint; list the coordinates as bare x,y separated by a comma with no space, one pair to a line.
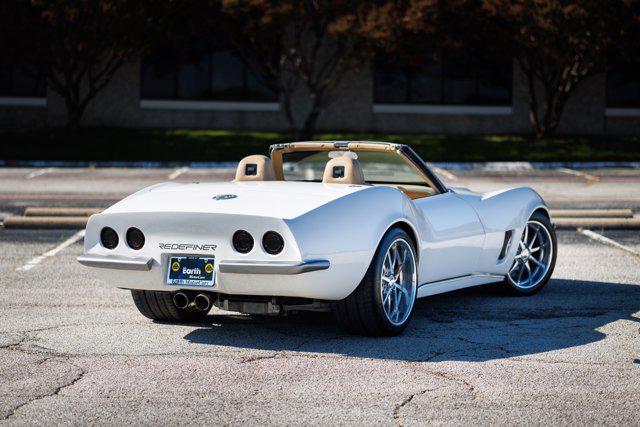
405,152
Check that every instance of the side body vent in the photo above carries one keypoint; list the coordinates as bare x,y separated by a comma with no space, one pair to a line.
505,244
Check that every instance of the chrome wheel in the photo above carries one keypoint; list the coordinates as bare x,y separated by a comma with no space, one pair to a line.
533,257
398,282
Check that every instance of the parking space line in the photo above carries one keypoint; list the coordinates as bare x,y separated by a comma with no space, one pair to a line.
607,241
37,260
591,179
40,172
176,173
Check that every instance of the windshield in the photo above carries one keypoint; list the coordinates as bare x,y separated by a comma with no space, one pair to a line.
378,166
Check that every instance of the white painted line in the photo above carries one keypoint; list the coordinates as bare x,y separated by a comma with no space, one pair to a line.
176,173
607,241
39,172
445,173
37,260
589,178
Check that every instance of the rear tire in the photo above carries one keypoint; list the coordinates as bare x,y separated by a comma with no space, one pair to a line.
369,310
539,248
159,306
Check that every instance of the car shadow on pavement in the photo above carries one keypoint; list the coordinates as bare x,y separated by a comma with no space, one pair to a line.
474,324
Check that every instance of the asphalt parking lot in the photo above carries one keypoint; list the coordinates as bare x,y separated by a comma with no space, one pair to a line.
76,351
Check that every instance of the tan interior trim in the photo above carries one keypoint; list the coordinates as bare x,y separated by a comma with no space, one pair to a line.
351,171
276,161
276,155
263,169
412,191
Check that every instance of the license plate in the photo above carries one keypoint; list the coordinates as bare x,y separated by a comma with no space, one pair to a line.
191,271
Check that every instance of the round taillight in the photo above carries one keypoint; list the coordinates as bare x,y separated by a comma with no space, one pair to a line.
272,242
135,238
109,238
242,241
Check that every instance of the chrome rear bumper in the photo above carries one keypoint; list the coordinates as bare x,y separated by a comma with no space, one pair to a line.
273,267
116,262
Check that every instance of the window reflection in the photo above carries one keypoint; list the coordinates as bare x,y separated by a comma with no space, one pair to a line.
22,82
206,74
455,79
623,85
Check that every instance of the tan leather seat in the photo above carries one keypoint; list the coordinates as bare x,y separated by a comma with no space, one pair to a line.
255,168
343,170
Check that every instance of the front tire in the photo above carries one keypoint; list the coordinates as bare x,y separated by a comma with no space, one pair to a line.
160,306
535,257
382,304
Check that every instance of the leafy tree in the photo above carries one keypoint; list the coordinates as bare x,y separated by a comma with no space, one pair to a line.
80,44
303,49
557,44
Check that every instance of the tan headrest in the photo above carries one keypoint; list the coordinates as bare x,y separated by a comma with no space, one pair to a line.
343,170
255,168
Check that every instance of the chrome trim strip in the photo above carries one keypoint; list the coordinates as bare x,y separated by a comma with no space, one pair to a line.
272,267
466,276
116,262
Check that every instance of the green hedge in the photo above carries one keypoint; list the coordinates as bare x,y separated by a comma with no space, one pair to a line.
116,144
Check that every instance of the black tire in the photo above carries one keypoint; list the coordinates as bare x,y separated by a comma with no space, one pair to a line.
362,312
510,287
159,306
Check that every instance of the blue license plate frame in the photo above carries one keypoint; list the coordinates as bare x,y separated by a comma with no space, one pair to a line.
185,270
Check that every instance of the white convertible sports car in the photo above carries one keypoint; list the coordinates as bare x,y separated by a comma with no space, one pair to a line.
358,228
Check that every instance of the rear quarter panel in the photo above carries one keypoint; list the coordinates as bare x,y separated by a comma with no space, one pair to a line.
347,232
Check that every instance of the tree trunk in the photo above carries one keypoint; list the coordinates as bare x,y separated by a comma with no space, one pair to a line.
74,116
557,92
288,112
555,102
534,118
308,129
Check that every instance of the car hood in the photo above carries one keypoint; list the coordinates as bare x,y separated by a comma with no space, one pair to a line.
279,199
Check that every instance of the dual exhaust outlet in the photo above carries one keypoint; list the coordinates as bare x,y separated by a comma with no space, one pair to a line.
201,302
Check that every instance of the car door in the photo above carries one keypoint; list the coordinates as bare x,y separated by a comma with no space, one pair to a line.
453,239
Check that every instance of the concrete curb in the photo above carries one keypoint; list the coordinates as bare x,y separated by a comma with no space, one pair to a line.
60,212
42,222
608,223
591,213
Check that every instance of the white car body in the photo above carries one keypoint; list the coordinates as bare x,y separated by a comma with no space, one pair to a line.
331,232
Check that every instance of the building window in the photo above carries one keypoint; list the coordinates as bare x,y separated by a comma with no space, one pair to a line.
210,75
453,80
20,83
623,86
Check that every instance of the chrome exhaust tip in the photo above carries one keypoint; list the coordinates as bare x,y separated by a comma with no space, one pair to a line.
202,302
181,300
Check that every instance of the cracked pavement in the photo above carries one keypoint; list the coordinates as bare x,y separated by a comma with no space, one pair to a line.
73,350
